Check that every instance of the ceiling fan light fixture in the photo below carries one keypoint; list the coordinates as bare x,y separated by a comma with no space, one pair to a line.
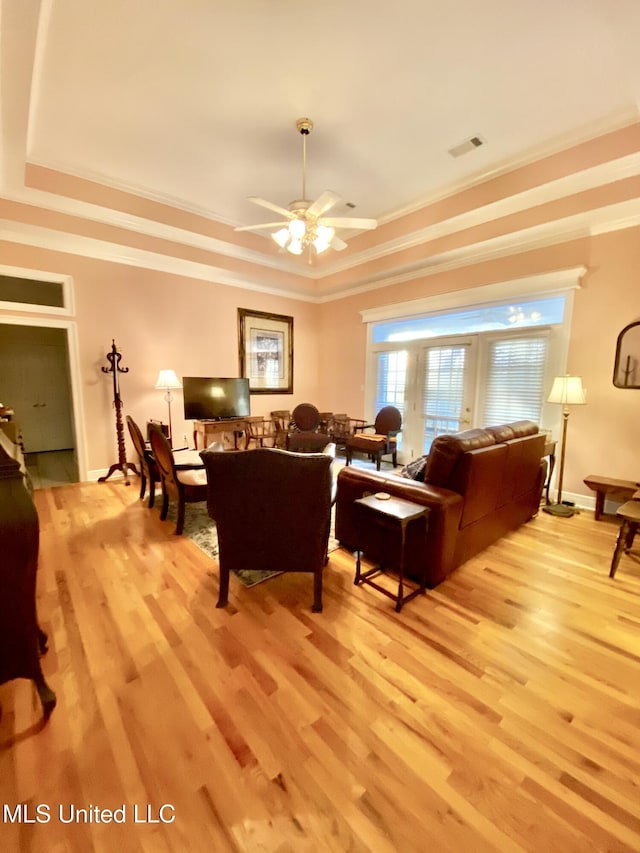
282,237
323,239
297,228
304,225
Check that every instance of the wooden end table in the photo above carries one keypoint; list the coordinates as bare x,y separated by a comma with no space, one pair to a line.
391,511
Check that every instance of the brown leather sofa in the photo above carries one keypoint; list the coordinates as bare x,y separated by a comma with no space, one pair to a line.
478,484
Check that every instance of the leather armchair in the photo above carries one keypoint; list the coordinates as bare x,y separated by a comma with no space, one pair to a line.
272,509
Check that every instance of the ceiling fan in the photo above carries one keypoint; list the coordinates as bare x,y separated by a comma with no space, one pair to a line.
304,225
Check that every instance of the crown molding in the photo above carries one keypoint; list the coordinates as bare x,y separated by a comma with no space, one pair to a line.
88,247
580,226
588,179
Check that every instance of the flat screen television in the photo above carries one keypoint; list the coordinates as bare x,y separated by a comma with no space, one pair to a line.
213,399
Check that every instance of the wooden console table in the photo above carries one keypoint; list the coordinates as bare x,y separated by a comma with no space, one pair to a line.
204,432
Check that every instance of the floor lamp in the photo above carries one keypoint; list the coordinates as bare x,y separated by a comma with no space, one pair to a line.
568,391
168,381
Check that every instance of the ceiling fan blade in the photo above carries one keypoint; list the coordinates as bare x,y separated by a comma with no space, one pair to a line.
263,225
337,244
349,222
270,206
323,202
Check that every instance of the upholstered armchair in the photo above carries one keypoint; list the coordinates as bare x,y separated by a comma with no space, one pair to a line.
272,510
304,435
381,442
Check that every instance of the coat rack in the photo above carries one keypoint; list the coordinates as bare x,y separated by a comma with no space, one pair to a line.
114,359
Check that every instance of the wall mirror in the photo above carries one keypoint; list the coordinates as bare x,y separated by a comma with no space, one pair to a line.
626,369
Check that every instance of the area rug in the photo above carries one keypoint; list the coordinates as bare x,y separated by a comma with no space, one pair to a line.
201,529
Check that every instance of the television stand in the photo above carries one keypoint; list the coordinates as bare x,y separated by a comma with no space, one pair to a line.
206,431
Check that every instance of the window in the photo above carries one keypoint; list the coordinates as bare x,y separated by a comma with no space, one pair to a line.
471,366
515,380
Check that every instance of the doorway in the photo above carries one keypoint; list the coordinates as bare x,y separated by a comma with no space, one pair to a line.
35,381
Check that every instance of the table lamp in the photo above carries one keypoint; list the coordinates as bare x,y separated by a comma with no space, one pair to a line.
568,391
168,381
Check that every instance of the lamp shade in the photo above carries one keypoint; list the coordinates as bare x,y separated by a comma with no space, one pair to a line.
168,381
567,390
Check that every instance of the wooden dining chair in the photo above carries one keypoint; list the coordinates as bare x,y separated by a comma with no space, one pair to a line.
381,442
259,432
182,485
149,474
281,420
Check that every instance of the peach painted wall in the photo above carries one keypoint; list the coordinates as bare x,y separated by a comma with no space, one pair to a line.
161,320
603,434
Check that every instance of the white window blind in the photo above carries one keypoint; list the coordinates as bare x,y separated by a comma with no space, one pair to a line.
514,388
391,380
443,391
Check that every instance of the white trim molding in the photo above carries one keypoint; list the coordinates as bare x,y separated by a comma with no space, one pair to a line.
543,283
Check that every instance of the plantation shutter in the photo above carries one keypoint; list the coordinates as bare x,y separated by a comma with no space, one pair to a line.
515,380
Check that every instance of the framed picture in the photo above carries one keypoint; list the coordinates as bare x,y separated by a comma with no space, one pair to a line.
266,351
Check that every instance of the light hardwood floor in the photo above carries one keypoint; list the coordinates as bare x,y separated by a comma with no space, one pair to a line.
501,712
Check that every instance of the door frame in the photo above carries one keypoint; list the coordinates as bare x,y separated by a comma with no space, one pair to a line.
70,327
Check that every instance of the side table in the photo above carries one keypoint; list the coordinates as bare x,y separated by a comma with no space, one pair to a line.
390,510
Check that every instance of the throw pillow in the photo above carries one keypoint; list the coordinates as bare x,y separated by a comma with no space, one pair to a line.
414,470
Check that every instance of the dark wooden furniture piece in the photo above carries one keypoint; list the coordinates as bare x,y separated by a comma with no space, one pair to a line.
21,639
149,474
383,440
272,510
184,485
390,512
629,512
305,435
114,358
608,487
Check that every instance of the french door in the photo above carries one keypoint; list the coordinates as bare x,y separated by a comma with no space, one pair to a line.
432,386
446,389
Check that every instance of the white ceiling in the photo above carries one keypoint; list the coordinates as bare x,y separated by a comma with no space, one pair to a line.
195,101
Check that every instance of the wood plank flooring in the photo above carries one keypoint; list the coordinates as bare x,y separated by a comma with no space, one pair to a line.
501,712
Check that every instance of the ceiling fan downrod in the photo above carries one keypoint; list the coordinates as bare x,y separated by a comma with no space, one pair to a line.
304,126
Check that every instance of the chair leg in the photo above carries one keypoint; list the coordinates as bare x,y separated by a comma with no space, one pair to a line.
165,504
180,520
143,482
620,546
378,460
317,591
223,595
152,492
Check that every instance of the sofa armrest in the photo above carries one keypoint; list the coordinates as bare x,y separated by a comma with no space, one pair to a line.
435,555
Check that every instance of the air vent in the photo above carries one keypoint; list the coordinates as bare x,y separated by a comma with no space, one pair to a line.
466,146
